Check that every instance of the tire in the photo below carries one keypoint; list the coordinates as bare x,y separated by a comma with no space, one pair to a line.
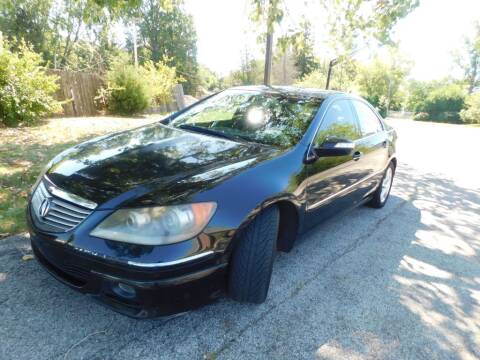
252,260
379,196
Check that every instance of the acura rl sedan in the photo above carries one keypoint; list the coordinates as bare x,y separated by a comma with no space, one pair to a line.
163,218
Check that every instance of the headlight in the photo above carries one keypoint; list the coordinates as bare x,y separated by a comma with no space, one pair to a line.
156,225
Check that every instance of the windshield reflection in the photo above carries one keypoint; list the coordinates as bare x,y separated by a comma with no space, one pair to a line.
271,119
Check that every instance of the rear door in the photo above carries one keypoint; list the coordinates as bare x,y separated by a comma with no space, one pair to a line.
373,146
330,179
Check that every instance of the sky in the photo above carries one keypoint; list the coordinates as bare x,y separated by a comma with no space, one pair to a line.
427,36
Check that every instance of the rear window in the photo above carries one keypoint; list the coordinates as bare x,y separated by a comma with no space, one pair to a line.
368,120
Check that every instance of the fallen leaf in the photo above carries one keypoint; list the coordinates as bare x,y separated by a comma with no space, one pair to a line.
27,257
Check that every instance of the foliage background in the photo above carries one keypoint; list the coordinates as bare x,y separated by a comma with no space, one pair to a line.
25,88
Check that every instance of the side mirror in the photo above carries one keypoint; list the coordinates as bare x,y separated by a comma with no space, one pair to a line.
334,147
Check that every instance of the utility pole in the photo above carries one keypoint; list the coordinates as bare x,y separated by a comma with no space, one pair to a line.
268,50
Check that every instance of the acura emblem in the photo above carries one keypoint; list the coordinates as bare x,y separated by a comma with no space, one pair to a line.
44,207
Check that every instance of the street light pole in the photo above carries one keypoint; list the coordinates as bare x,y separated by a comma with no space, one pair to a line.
334,62
331,64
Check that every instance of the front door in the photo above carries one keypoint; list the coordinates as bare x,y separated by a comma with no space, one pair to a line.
331,179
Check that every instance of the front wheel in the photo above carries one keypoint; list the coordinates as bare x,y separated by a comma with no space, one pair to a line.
380,195
252,260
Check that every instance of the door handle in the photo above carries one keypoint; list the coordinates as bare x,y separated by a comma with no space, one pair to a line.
357,155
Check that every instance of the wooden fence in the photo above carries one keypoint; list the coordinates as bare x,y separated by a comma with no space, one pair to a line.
78,90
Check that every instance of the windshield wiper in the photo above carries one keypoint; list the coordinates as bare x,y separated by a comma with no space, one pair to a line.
207,131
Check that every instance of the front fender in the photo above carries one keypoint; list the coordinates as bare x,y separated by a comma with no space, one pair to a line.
240,198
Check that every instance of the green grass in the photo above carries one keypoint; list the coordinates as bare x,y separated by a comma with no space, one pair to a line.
25,151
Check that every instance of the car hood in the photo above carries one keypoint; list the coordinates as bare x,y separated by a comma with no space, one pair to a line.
104,168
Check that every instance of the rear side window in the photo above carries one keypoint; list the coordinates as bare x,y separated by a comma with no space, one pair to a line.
369,122
339,123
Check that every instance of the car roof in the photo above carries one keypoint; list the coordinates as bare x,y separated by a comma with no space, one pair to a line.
292,91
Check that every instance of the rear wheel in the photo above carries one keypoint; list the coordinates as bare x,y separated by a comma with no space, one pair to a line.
380,196
252,259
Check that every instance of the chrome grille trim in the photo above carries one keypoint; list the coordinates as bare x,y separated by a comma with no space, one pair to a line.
63,215
67,206
51,218
59,193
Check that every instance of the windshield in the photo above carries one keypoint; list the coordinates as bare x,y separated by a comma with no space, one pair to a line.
271,119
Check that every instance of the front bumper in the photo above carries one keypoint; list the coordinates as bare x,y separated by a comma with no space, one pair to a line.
133,291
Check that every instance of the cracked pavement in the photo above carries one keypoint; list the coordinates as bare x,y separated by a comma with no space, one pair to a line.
402,282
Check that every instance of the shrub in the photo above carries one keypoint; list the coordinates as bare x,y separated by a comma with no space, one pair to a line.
421,116
127,90
131,90
417,93
471,113
444,103
160,79
25,88
316,79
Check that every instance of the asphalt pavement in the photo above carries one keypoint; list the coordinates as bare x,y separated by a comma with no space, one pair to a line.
402,282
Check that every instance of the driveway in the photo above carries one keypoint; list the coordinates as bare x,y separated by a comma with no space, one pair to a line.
398,283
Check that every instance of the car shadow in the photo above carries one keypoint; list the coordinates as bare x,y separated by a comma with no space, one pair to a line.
401,282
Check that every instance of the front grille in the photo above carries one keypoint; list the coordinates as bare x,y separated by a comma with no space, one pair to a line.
54,213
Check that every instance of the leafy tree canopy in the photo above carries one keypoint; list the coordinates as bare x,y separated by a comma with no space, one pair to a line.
467,58
380,81
168,34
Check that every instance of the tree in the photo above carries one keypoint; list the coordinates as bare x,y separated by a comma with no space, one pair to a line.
350,22
208,80
471,112
301,42
26,20
380,81
343,78
250,72
70,34
303,45
168,34
284,67
69,20
468,58
417,93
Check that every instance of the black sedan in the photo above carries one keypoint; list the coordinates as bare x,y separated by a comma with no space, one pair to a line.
166,217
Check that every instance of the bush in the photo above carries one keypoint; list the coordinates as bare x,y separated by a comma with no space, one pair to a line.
417,93
131,90
316,79
445,103
471,113
127,91
421,116
160,79
25,88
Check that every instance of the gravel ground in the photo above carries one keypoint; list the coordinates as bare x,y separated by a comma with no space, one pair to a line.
398,283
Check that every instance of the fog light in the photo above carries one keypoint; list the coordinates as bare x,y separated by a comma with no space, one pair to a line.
124,290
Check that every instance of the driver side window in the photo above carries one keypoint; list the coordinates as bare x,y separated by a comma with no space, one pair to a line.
339,123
